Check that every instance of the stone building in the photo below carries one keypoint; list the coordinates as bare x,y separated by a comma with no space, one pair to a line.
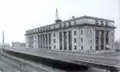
81,34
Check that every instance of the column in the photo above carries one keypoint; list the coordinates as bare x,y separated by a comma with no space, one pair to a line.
48,41
62,41
41,40
67,41
44,40
104,40
99,40
38,41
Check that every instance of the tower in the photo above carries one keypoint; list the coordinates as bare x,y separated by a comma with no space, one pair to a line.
57,18
3,37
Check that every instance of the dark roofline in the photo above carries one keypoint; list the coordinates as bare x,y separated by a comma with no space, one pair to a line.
99,18
90,18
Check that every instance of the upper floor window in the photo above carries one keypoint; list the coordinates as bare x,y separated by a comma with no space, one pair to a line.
90,41
75,40
101,22
69,23
64,24
81,47
54,41
106,23
81,32
75,33
96,22
72,22
54,46
81,40
90,47
54,26
90,31
75,47
54,34
60,25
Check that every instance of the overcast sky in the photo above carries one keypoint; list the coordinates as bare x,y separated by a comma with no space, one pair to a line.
16,16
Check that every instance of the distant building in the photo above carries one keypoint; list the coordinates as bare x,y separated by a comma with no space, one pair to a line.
18,45
82,34
5,45
117,46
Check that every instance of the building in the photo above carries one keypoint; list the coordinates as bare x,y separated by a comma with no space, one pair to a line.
18,45
5,45
82,34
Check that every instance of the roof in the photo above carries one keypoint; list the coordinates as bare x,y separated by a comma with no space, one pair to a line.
81,17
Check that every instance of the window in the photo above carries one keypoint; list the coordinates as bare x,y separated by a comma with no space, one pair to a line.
75,47
60,25
54,35
75,33
101,22
90,31
90,41
97,33
81,47
54,26
54,46
64,24
54,41
97,48
102,32
75,40
107,37
90,47
49,47
81,40
106,23
102,47
49,38
96,22
69,23
81,32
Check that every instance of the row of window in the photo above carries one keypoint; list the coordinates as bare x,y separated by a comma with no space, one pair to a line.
54,26
105,23
65,24
75,33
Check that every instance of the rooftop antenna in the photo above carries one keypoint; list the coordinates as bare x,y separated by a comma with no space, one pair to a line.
3,37
84,14
57,18
57,14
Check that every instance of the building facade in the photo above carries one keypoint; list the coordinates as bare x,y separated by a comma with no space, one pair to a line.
18,45
82,34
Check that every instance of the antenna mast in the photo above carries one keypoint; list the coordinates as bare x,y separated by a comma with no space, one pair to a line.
57,18
57,14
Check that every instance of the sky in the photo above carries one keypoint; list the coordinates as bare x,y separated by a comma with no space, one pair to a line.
17,16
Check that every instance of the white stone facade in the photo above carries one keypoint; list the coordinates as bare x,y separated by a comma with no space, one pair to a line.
79,35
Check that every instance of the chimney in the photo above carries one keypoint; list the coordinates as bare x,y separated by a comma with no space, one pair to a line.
3,37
